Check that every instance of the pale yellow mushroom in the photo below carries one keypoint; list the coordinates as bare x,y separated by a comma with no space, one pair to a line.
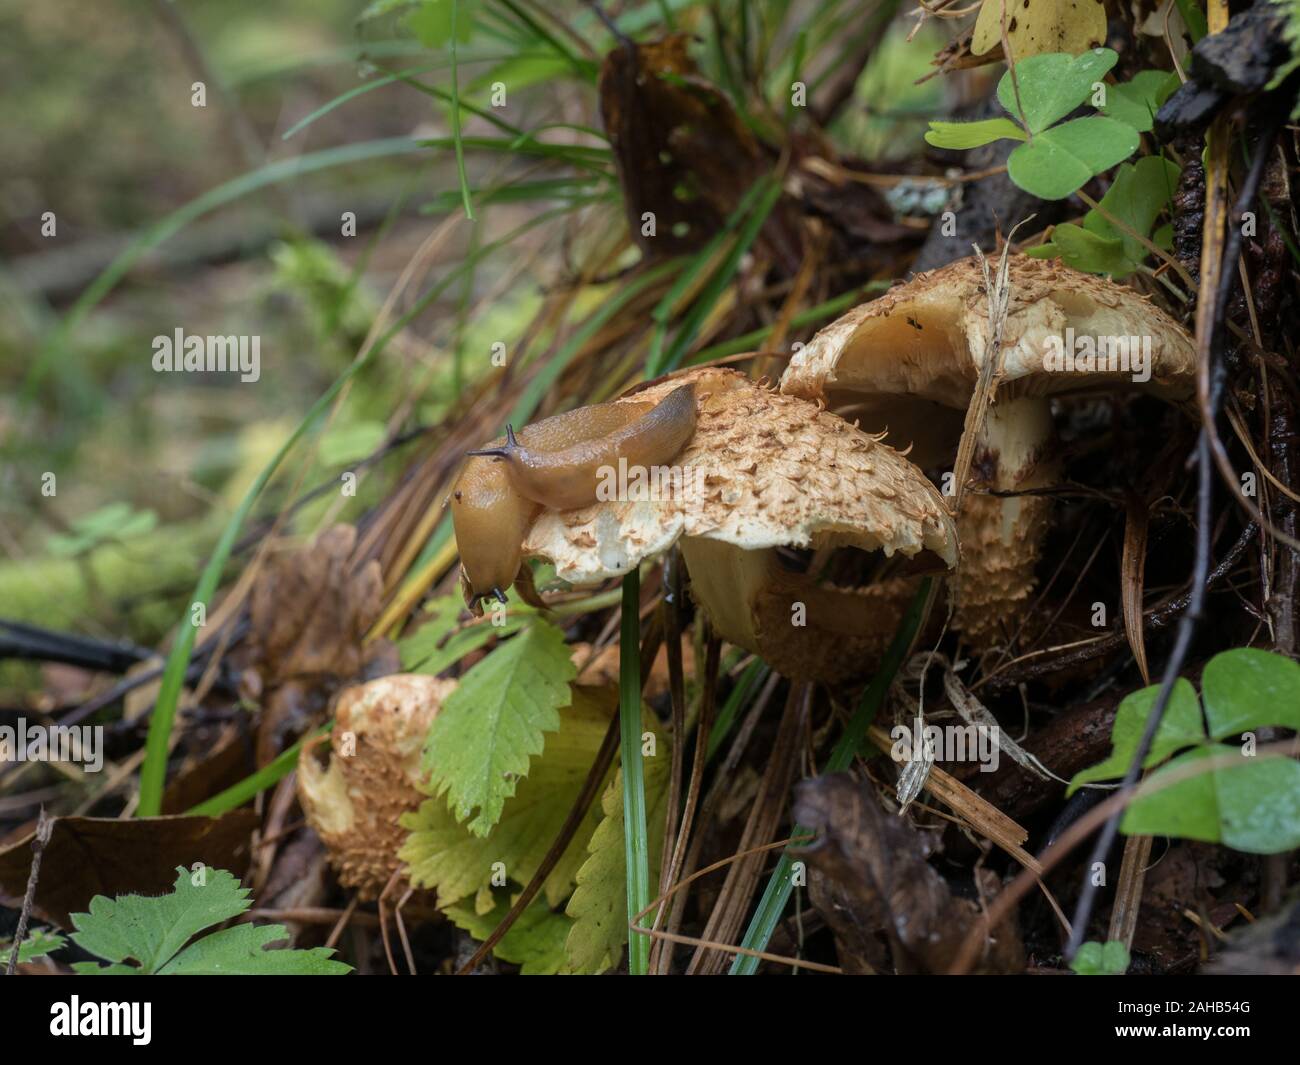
764,472
356,801
908,362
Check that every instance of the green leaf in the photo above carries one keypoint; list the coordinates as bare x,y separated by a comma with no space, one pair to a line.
349,443
1060,160
151,931
445,856
241,951
37,945
599,903
1136,102
960,135
494,723
440,641
1179,727
1135,198
535,941
431,22
1252,805
1248,689
116,522
1052,85
1085,251
1101,959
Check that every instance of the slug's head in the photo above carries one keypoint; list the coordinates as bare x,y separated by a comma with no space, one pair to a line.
490,521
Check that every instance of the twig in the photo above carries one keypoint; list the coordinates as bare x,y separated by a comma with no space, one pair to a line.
44,826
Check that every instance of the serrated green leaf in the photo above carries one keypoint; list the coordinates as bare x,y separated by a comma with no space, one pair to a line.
152,931
1136,102
535,941
1101,959
38,944
1179,727
443,855
1247,688
599,903
494,723
1252,806
962,135
241,951
1061,159
1052,85
442,641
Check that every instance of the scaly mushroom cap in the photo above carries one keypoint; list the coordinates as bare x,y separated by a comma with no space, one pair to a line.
763,471
926,339
908,364
372,778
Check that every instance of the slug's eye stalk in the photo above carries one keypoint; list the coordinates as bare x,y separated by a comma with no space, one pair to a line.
512,444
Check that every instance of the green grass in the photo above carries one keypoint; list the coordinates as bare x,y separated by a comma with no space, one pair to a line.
635,835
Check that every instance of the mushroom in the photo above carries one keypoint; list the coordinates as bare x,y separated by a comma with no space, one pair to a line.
909,363
763,474
373,776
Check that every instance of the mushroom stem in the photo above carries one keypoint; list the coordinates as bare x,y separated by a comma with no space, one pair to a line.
801,628
1001,536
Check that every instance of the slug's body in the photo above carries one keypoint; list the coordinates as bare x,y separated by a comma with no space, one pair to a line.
554,463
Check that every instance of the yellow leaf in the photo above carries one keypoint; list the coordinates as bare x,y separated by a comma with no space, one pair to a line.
599,903
1038,26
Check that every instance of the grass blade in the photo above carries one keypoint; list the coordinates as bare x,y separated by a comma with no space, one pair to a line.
455,117
635,837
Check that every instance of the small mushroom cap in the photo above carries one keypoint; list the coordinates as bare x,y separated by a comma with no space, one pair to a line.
763,470
926,339
372,778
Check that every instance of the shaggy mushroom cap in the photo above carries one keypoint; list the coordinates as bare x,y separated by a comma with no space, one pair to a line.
354,804
909,363
763,472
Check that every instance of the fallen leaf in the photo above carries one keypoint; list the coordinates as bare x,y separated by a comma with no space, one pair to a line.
89,856
887,907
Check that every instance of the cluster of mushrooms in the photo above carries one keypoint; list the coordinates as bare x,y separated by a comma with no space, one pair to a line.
793,505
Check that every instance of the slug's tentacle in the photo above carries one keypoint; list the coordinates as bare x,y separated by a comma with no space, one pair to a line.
566,479
491,519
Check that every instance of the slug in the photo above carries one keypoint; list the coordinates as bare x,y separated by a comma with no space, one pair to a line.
565,478
553,463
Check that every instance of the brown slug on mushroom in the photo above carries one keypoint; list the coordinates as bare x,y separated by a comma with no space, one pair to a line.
553,463
765,476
